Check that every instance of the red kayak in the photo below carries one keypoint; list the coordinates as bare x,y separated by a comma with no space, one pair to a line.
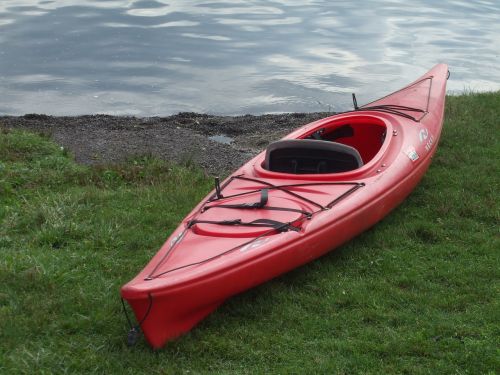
302,197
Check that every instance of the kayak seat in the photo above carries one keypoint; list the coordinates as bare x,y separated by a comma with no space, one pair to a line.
311,156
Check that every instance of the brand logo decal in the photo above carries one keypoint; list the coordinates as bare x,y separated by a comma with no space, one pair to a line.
426,137
429,143
412,154
424,133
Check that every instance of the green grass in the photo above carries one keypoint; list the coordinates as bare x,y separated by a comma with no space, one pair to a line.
416,294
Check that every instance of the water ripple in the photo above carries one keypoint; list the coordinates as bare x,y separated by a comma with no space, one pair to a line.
149,57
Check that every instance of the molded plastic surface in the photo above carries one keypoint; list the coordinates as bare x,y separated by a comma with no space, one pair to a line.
203,263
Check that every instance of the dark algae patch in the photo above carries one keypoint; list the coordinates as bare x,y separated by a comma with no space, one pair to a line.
416,294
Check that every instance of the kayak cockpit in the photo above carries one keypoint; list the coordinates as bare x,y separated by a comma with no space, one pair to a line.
335,146
306,156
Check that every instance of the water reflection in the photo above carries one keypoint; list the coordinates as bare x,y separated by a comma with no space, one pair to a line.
152,57
221,138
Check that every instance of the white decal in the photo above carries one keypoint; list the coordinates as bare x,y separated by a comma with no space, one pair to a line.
424,133
412,154
177,238
429,143
253,245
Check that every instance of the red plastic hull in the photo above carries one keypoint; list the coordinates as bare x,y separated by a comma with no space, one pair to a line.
201,265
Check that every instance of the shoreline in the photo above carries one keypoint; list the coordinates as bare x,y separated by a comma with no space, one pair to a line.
218,144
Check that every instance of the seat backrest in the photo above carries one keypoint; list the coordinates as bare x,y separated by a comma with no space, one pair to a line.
304,156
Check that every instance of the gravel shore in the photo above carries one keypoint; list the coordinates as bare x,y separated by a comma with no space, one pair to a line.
219,144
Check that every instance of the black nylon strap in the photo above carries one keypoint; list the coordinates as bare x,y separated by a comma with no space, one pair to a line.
266,223
218,191
264,196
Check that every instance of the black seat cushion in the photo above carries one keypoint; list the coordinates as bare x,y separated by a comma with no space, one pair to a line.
309,156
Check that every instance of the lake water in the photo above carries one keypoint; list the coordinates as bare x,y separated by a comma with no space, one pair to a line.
159,57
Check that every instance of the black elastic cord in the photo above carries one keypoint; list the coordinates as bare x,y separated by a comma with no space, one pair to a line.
281,188
270,208
395,110
278,225
126,314
270,231
264,196
164,257
150,297
396,107
133,333
344,195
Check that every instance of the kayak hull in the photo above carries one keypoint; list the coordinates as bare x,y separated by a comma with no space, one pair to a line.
204,263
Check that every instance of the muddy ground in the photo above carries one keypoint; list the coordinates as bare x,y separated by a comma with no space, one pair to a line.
102,139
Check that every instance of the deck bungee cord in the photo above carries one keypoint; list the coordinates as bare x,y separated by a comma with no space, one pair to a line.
274,225
395,109
266,223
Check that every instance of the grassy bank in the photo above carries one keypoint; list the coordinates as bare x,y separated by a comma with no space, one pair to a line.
418,293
